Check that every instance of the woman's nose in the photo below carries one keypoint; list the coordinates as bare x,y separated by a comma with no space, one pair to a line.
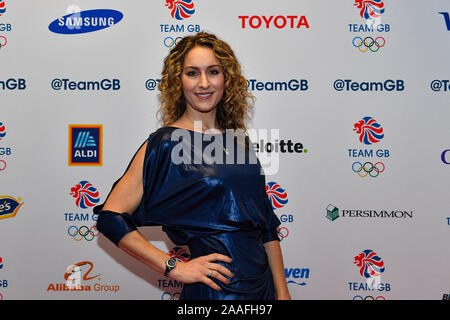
204,81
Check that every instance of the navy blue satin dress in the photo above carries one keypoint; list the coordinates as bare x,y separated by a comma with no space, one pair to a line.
210,206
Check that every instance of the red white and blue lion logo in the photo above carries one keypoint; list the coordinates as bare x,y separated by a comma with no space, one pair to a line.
86,194
369,130
370,9
2,131
369,263
180,9
276,194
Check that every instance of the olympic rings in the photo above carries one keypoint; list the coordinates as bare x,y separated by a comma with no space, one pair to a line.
6,41
2,165
368,298
84,232
282,235
170,296
368,170
170,42
368,43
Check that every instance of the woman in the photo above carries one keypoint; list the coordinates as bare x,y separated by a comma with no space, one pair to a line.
221,211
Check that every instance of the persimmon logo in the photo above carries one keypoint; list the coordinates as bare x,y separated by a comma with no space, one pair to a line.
79,278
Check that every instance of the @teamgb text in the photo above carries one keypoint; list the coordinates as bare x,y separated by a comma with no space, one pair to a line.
96,85
368,169
83,232
219,151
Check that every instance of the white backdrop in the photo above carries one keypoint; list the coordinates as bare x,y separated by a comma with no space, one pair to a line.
401,216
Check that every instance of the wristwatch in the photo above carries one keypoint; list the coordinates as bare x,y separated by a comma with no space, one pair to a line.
170,265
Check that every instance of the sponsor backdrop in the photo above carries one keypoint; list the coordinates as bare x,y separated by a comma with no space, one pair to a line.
357,92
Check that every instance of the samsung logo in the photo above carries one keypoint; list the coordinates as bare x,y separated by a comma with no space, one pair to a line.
85,21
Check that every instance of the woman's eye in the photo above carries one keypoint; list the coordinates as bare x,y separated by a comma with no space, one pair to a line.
191,73
214,71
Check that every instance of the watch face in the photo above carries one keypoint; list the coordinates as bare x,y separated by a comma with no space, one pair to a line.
171,263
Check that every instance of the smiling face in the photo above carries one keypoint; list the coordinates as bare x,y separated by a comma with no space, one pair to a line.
202,80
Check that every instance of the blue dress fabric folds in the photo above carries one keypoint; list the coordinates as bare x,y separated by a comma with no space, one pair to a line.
211,206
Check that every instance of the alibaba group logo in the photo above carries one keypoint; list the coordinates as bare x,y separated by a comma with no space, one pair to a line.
73,272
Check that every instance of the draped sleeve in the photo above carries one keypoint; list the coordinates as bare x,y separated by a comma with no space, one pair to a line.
115,225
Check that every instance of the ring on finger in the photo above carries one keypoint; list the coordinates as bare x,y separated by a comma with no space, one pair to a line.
210,273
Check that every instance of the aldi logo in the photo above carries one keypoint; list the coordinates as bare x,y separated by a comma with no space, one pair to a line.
85,145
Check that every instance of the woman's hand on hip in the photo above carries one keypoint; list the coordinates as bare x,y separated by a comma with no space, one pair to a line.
202,269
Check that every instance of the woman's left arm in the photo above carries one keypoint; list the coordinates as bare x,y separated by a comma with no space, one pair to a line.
275,257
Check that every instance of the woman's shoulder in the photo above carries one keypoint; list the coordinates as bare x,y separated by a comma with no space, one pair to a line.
160,137
162,133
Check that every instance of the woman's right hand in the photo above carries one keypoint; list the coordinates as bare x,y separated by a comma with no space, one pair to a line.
198,270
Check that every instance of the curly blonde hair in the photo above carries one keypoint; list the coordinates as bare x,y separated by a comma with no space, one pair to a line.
237,102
